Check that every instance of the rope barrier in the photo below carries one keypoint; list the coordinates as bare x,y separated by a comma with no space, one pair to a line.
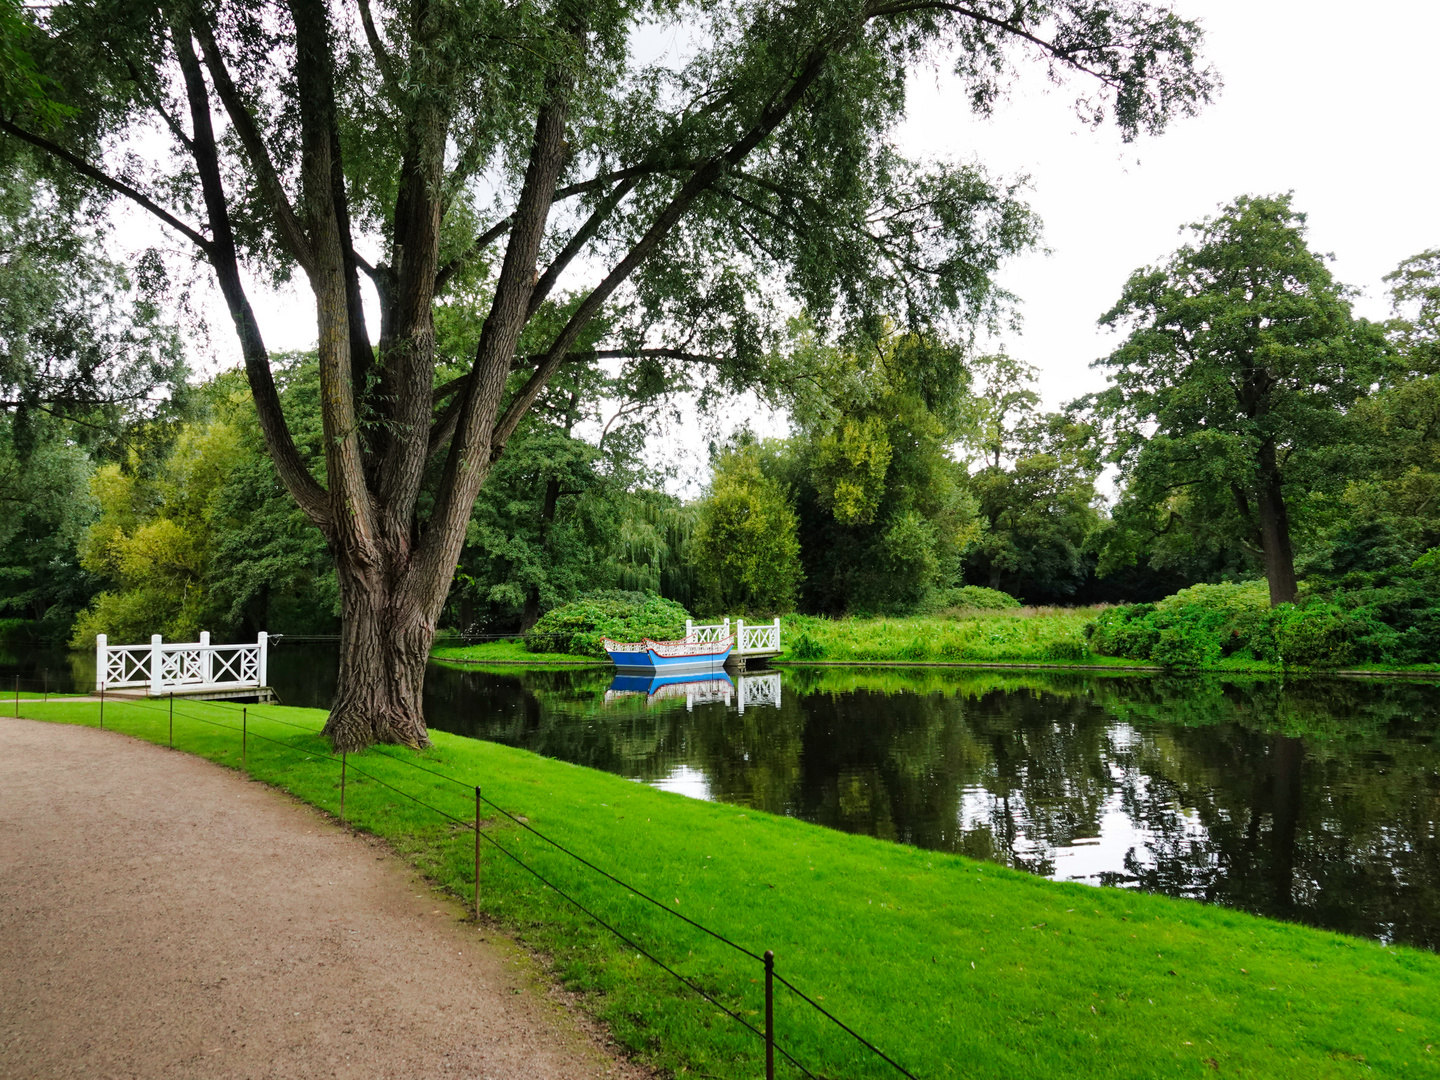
531,870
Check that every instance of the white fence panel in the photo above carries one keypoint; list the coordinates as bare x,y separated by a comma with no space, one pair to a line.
181,665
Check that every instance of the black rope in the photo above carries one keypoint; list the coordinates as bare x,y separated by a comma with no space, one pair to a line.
578,858
642,950
623,884
846,1027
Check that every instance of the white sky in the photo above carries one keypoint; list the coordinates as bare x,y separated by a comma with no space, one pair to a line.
1338,103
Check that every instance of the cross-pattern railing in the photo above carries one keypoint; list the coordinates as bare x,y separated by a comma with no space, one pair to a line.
181,665
753,690
749,640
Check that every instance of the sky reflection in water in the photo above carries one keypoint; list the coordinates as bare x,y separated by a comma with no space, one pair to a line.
1316,800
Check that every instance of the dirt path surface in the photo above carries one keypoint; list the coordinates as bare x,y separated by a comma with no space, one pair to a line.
163,917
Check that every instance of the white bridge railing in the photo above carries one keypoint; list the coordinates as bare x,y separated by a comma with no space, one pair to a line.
181,665
749,640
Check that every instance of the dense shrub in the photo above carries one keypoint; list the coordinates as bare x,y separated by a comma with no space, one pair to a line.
624,616
1124,631
1196,627
1317,634
967,598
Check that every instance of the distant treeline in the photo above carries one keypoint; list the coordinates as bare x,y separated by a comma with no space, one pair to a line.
1259,431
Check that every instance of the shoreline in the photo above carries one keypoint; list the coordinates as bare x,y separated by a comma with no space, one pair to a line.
894,938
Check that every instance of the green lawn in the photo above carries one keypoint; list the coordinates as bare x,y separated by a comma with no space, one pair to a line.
954,967
506,652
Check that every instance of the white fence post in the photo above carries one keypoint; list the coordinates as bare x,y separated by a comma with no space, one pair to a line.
725,633
157,665
689,631
101,660
206,675
264,642
739,635
776,643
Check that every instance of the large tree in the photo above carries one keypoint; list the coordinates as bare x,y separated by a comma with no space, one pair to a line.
1240,364
431,146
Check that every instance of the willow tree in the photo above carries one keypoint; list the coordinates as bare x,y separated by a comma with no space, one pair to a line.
528,158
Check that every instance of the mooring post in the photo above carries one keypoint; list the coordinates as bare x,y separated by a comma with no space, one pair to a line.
477,852
342,787
244,723
769,1014
172,719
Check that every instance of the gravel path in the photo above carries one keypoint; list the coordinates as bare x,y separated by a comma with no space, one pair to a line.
163,917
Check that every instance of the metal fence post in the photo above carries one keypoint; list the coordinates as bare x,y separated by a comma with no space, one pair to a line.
477,852
342,787
769,1014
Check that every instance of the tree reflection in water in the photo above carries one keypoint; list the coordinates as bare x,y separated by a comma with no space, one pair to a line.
1316,800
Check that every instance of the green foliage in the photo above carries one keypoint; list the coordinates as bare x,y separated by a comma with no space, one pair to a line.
885,514
968,598
1053,635
1241,362
577,627
198,533
1315,635
745,549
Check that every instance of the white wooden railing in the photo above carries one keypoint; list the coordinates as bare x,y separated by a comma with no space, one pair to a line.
749,640
181,665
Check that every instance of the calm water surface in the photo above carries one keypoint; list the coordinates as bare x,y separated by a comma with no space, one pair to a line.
1316,800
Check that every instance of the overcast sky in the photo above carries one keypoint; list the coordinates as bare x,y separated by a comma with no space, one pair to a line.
1338,103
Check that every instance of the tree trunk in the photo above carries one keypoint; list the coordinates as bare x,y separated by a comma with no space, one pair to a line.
1275,531
385,640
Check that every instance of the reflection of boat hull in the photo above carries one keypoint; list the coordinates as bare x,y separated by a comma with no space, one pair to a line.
684,658
689,687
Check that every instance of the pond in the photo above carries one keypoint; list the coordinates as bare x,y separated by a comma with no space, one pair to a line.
1316,800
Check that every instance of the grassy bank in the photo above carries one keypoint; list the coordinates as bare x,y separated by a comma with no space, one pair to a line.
954,967
506,652
1017,636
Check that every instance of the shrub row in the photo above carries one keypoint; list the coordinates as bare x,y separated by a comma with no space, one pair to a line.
1396,622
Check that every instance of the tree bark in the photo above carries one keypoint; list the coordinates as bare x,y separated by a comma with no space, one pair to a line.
385,640
1275,530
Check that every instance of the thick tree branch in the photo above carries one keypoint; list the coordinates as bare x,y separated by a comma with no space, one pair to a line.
378,50
292,235
702,180
501,227
84,168
582,236
313,499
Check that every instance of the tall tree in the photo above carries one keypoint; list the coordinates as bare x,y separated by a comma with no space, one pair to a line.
1241,360
514,144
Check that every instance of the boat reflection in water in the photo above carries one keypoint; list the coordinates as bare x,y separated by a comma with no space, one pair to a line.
744,691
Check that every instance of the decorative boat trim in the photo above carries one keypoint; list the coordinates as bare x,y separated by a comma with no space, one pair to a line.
668,656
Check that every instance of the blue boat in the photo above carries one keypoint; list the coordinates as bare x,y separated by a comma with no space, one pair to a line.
669,657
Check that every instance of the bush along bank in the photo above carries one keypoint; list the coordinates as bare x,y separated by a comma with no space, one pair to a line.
1233,626
578,628
953,967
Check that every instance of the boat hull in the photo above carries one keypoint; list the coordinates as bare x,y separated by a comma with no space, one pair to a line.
649,662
